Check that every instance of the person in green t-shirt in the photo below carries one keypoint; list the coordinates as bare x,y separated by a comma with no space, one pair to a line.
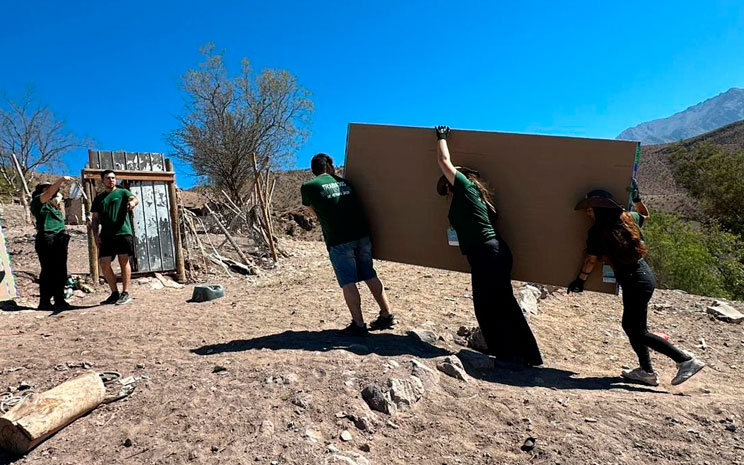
615,238
110,210
472,216
333,200
51,244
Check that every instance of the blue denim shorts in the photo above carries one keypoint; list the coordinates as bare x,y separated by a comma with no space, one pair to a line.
352,261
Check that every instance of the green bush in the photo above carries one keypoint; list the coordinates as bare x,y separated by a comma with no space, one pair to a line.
713,174
706,260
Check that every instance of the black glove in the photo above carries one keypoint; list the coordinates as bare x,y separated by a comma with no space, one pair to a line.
442,132
635,194
576,286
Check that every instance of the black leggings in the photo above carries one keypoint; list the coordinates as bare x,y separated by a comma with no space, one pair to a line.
638,284
499,315
52,251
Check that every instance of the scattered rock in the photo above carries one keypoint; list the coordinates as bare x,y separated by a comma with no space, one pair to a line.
128,442
725,312
364,447
377,400
476,360
218,369
529,444
452,366
266,428
168,282
193,455
406,392
477,341
156,285
140,366
346,435
312,435
731,427
393,364
302,399
527,298
424,335
331,448
337,459
590,420
78,293
428,377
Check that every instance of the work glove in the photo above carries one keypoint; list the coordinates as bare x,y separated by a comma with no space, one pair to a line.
442,132
576,286
635,193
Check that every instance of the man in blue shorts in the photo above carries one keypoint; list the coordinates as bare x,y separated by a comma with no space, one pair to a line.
346,235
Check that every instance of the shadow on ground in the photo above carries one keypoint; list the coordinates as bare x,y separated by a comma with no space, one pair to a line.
385,344
480,366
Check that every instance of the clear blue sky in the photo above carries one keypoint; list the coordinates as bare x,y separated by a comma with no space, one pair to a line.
112,69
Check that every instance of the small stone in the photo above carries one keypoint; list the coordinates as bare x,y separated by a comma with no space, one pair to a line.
731,427
725,312
428,377
331,448
214,449
529,444
345,435
406,392
364,447
376,399
393,364
590,420
266,428
140,366
452,366
218,369
128,442
193,455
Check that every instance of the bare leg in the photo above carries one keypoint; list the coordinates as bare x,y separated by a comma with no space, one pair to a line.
354,302
108,273
378,292
126,272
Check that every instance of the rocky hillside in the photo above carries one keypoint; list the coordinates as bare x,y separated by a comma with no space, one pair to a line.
706,116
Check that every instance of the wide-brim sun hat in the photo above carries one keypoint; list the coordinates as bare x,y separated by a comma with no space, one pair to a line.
442,182
597,198
40,187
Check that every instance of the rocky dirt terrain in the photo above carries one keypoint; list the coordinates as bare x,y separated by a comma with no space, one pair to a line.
260,376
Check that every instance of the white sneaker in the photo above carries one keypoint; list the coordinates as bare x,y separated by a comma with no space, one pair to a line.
685,370
642,376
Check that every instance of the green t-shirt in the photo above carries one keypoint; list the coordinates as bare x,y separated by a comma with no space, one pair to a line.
338,208
113,213
48,217
468,214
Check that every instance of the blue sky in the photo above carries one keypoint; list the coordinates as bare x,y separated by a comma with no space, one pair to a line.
112,70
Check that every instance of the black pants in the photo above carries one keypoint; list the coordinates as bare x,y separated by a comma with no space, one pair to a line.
638,284
499,315
52,251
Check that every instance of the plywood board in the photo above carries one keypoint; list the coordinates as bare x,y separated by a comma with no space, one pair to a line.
8,288
536,182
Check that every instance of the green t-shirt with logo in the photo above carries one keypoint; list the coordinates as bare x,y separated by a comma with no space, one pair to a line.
338,208
113,213
48,217
468,214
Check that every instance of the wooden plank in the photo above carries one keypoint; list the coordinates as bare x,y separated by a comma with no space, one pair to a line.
119,161
176,227
106,160
163,176
88,187
536,182
165,231
158,161
140,223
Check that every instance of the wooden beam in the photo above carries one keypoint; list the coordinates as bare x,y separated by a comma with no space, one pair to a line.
129,175
176,225
92,246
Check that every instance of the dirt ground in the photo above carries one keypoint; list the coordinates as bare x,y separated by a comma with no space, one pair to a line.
292,386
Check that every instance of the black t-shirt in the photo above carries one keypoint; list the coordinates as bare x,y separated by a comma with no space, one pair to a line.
598,246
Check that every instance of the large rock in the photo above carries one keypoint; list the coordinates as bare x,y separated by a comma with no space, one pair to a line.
429,378
725,312
378,400
452,366
476,360
424,335
527,298
406,392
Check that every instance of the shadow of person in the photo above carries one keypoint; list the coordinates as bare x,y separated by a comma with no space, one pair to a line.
72,307
12,306
385,344
481,366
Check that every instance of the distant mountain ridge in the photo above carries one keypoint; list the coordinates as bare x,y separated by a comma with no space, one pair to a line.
716,112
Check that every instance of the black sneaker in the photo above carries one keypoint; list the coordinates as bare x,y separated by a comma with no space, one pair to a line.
354,330
383,322
45,305
124,299
62,305
112,299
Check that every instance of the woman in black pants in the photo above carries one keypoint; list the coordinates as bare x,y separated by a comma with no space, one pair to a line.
51,244
472,216
616,238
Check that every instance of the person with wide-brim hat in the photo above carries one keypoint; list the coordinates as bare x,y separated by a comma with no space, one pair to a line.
615,237
51,243
473,216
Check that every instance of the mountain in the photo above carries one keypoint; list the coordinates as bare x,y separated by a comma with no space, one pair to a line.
706,116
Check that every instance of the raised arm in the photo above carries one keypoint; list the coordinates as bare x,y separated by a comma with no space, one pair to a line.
443,155
638,204
52,190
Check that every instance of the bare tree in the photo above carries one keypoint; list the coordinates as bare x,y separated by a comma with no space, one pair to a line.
229,120
32,132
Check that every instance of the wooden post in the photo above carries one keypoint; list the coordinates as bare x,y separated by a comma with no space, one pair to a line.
41,415
264,210
92,246
176,225
25,193
232,241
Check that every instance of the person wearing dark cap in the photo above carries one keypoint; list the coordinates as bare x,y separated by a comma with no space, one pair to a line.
51,243
346,233
616,239
472,216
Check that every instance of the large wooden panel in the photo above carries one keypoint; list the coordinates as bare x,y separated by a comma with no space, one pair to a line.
8,289
536,182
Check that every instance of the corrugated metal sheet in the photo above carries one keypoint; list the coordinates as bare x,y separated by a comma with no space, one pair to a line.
153,233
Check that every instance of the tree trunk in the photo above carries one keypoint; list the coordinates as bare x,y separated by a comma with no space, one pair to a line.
41,415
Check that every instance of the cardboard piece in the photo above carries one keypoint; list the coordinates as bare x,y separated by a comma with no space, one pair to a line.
536,182
8,289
